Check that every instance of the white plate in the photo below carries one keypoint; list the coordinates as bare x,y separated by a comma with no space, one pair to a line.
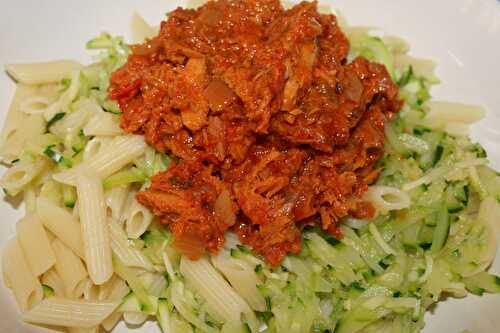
463,36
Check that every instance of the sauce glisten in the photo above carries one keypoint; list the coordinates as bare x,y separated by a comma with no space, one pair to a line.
272,129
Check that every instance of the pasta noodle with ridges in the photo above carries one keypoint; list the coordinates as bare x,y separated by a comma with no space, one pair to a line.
114,289
72,122
386,198
29,197
95,235
15,117
35,244
103,124
141,29
21,174
65,99
128,202
223,302
118,291
32,127
115,201
40,100
70,312
94,147
62,224
71,270
121,247
121,151
54,281
242,277
137,220
44,72
35,104
25,286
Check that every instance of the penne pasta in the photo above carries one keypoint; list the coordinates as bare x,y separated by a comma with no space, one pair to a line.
27,130
94,147
35,244
222,301
129,255
109,323
41,98
70,312
44,72
109,290
62,224
128,202
386,198
65,99
121,151
117,291
137,220
35,104
157,285
51,191
29,197
54,281
135,318
22,174
442,113
195,3
115,201
15,118
141,29
71,270
103,124
24,284
242,277
90,290
95,234
421,67
104,289
75,213
72,122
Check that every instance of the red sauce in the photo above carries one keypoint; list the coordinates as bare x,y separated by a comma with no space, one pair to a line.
261,103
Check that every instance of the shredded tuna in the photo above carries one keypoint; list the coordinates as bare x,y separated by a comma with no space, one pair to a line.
273,129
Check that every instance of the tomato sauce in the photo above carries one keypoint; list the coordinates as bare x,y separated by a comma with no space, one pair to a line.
273,129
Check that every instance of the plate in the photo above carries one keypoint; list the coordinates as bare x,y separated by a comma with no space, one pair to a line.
462,36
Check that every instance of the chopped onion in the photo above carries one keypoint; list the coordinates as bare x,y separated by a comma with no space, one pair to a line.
353,88
224,208
218,95
189,245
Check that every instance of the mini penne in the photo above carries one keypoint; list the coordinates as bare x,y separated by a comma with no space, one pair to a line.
47,72
71,270
121,151
95,235
70,312
35,244
54,281
138,218
62,224
24,284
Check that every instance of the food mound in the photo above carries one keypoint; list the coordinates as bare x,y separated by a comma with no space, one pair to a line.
271,127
